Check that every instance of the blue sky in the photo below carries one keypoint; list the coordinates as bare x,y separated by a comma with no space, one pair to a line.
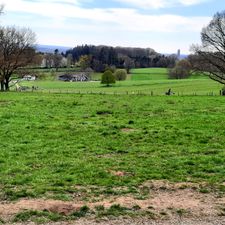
164,25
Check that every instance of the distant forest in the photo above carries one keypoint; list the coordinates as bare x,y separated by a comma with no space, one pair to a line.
100,57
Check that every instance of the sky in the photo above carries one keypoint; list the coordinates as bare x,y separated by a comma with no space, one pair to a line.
164,25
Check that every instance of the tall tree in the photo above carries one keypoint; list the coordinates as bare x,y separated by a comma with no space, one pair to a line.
211,54
57,59
17,50
128,63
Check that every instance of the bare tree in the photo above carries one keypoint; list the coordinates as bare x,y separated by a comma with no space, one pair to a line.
210,55
48,60
17,50
128,63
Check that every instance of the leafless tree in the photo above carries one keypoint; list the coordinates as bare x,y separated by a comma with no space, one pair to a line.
17,50
210,56
128,63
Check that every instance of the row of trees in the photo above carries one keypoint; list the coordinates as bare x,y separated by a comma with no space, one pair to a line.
101,57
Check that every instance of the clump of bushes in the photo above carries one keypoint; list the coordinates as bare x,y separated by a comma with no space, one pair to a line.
120,74
181,70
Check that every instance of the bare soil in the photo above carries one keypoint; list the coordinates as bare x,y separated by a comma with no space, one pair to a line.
140,221
179,203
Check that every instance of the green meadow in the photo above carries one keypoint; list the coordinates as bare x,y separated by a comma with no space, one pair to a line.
51,143
153,81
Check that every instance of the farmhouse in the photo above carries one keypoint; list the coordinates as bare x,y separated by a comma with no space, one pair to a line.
29,78
79,77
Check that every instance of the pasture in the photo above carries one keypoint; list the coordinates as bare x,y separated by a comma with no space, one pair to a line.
53,142
59,145
141,81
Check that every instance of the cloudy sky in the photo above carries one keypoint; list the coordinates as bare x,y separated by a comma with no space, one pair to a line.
164,25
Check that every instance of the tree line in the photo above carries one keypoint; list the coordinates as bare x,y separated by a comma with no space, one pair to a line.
101,57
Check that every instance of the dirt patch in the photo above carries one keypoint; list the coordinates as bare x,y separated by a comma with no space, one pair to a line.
119,173
128,130
8,209
163,197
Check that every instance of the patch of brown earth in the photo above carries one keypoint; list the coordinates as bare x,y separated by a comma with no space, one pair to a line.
192,202
65,208
127,130
119,173
162,197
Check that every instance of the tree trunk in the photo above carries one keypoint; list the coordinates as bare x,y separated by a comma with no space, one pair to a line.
6,84
2,85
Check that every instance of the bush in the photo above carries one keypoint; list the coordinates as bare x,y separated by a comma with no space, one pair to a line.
108,78
120,74
181,70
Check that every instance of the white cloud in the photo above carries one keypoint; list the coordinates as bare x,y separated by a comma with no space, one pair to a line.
66,20
124,19
156,4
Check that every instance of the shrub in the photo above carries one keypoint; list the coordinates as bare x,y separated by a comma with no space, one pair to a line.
120,74
108,78
181,70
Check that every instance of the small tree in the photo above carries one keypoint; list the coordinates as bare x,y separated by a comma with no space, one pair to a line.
17,50
120,74
181,70
128,64
84,62
108,78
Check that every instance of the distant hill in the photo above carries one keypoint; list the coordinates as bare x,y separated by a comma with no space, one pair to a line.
51,48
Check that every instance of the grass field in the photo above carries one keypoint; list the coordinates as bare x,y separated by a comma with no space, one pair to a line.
146,81
149,74
52,142
83,139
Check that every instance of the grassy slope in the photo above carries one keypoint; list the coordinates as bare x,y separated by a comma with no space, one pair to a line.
142,80
52,142
149,74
